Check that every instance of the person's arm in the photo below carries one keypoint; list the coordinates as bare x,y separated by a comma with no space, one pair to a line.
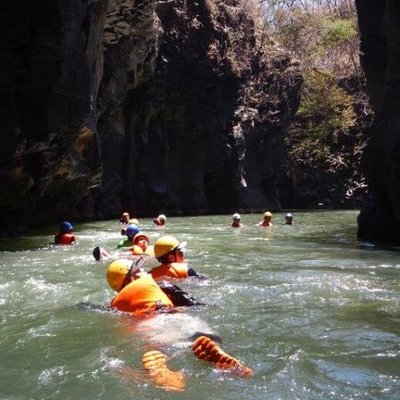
193,273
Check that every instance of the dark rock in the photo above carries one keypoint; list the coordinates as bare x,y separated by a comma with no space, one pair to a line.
379,23
196,105
49,74
177,106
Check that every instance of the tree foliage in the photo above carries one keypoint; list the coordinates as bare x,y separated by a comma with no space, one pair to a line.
323,35
326,109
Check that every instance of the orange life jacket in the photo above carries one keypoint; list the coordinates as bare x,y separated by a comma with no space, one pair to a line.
64,238
137,250
140,296
173,270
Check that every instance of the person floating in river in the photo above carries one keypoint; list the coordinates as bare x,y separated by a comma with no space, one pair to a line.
139,294
160,220
267,218
236,221
65,235
100,254
289,219
125,217
130,232
126,220
169,252
139,247
142,297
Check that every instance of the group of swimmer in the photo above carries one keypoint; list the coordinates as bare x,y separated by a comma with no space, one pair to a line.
65,235
266,221
142,293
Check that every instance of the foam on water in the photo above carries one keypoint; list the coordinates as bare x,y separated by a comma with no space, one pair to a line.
172,329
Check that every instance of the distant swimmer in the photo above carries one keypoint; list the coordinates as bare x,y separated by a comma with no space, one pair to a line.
125,217
169,252
126,220
131,231
139,247
236,221
160,220
267,219
65,235
100,254
289,219
127,248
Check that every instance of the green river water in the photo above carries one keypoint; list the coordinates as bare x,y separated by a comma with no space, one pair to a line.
314,313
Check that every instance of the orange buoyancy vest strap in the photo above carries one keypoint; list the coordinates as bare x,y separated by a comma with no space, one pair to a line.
64,238
150,251
173,270
141,295
137,250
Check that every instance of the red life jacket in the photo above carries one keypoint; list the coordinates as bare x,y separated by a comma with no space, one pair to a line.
64,238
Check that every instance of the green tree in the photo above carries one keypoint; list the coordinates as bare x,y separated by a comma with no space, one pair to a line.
325,141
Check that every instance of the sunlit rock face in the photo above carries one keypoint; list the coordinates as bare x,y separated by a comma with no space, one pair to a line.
195,125
131,44
379,23
144,105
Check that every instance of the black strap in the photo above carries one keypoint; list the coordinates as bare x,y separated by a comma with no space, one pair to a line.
177,295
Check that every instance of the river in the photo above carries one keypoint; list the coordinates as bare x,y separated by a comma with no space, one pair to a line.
315,314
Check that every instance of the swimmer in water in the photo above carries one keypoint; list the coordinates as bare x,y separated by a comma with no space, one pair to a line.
267,220
139,294
236,221
169,252
65,235
130,232
289,219
160,220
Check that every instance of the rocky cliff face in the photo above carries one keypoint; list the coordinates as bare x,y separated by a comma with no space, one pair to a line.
51,67
379,23
178,106
198,119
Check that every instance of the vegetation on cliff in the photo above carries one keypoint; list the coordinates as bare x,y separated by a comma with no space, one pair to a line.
326,140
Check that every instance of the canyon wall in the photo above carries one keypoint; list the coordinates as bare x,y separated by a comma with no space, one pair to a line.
379,23
177,106
194,104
